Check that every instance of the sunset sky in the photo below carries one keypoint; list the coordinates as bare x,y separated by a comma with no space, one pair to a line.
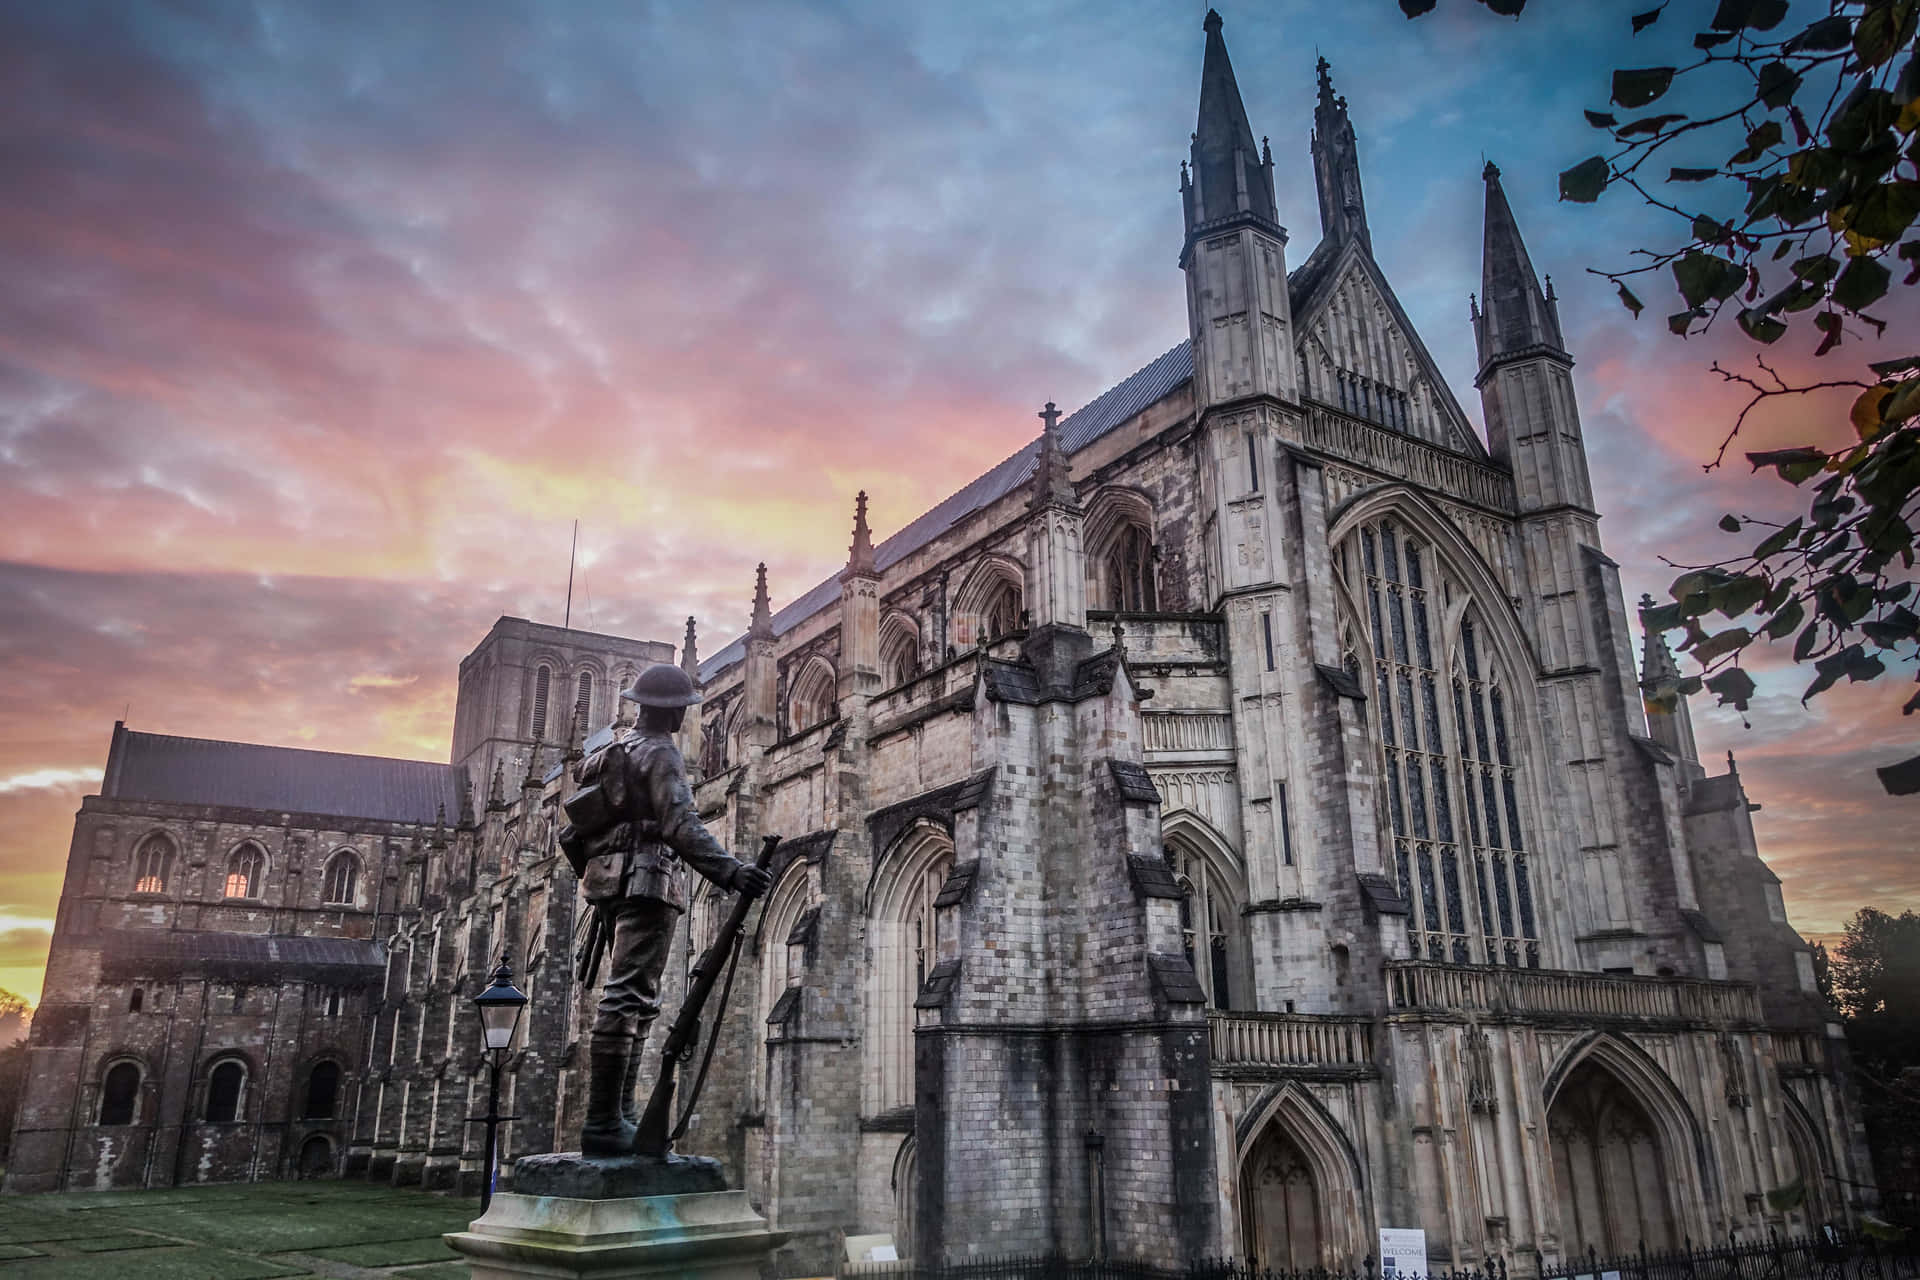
322,322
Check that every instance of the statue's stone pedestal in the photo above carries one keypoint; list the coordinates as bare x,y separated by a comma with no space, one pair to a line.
570,1218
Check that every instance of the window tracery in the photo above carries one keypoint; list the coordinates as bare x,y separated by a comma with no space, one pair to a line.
811,700
152,864
1448,758
907,934
1209,924
243,871
343,874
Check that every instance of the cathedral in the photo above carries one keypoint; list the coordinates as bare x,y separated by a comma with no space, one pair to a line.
1231,825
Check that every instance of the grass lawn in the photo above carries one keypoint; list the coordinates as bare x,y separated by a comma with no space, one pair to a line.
341,1230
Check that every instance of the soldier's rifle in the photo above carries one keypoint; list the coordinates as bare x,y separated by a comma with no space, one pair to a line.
653,1138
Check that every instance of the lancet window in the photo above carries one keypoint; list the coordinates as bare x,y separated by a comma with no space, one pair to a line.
1448,755
1209,923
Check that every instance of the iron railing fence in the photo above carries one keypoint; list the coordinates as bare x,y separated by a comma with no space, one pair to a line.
1830,1256
1056,1267
1825,1257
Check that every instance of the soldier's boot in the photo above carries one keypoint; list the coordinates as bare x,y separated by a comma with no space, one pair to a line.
607,1131
629,1102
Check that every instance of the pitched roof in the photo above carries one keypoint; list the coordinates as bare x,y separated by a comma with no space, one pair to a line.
159,767
1095,420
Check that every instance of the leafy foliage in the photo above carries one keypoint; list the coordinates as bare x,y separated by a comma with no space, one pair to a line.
1803,225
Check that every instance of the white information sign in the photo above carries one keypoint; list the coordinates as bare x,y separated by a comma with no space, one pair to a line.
1403,1251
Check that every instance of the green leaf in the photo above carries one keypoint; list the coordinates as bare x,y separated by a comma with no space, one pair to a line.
1730,522
1880,1229
1887,368
1828,323
1585,181
1702,276
1794,465
1824,36
1601,119
1707,231
1761,15
1636,87
1769,134
1721,644
1414,8
1649,124
1733,686
1784,621
1692,175
1708,39
1816,268
1777,84
1877,38
1777,541
1630,302
1862,284
1885,213
1641,21
1803,647
1902,404
1740,595
1680,322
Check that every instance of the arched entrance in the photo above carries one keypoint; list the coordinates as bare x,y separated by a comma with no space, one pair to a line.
316,1157
1612,1174
1280,1201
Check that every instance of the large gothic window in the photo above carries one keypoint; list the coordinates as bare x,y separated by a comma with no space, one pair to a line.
152,864
1448,757
1502,881
226,1091
906,934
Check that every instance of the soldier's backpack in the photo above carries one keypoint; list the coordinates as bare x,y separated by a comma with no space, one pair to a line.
599,805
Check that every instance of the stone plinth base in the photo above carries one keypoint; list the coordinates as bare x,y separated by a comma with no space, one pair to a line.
569,1175
713,1235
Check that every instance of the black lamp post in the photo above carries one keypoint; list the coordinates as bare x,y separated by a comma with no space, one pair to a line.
500,1006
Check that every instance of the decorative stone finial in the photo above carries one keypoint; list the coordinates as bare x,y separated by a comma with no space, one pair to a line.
1052,479
690,652
1213,23
860,554
497,789
762,624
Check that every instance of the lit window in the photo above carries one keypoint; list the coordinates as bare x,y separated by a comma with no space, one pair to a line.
152,864
243,871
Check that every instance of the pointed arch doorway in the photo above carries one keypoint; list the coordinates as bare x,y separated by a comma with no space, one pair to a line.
1282,1214
1613,1175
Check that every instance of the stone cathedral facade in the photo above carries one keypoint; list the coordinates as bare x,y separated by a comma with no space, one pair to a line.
1230,825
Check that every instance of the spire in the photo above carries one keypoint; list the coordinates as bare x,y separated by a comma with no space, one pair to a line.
1516,317
690,653
762,624
860,554
1336,167
1052,478
1229,176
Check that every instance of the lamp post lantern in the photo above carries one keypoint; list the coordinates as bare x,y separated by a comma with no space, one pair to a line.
500,1006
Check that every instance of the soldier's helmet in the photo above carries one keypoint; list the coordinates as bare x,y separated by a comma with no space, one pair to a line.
664,685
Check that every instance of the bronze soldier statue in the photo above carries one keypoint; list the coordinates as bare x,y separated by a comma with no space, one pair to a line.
631,875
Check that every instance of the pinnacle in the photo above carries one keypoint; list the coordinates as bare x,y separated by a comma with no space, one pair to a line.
860,554
762,624
1052,477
